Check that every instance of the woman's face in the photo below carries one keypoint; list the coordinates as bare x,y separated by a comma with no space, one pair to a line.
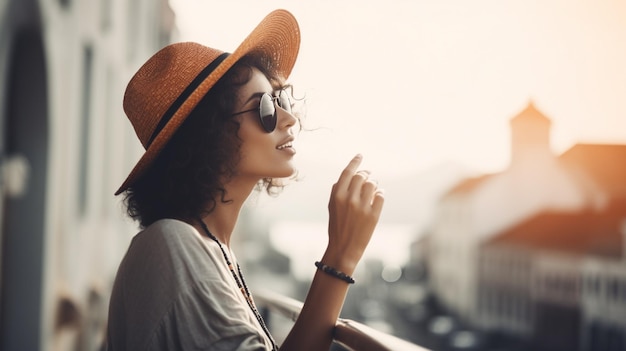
263,155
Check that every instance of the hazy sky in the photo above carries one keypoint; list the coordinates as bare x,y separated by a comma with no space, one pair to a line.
411,83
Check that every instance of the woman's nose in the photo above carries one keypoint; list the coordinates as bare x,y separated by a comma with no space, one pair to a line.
285,119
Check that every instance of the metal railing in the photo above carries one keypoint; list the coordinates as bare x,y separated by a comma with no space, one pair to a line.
348,333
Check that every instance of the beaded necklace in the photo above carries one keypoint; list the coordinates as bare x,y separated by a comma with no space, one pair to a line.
241,283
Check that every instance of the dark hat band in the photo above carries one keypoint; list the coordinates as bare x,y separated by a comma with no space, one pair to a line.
185,95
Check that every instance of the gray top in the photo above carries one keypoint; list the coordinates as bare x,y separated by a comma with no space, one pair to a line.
174,291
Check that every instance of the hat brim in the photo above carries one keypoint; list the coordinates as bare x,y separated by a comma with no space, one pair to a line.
276,37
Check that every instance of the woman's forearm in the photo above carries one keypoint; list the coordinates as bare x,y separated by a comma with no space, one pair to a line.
313,330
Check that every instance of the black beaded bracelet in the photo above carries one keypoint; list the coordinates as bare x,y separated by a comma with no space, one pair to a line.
335,273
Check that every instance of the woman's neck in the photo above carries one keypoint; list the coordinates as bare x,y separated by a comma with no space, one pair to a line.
222,220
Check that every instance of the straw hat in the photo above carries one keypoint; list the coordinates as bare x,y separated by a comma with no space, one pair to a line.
170,84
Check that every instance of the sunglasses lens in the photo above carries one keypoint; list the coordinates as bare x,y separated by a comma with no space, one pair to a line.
284,102
267,113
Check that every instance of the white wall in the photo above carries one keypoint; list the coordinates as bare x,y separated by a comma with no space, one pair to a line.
85,234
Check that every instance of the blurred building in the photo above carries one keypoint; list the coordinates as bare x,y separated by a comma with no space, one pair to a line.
519,251
65,146
558,280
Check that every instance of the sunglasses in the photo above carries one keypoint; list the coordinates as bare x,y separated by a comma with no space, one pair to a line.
267,109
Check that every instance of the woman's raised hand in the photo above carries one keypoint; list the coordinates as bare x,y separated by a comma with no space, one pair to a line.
354,208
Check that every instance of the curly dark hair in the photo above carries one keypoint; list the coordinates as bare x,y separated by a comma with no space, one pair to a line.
185,180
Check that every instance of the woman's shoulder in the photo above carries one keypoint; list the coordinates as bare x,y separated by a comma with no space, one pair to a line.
168,231
169,225
170,247
171,238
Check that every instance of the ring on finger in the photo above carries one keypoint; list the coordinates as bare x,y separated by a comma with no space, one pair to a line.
364,173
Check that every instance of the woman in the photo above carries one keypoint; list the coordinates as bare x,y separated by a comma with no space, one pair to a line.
215,126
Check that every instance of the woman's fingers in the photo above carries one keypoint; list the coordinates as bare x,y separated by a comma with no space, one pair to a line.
377,203
368,189
355,185
357,181
354,208
346,175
